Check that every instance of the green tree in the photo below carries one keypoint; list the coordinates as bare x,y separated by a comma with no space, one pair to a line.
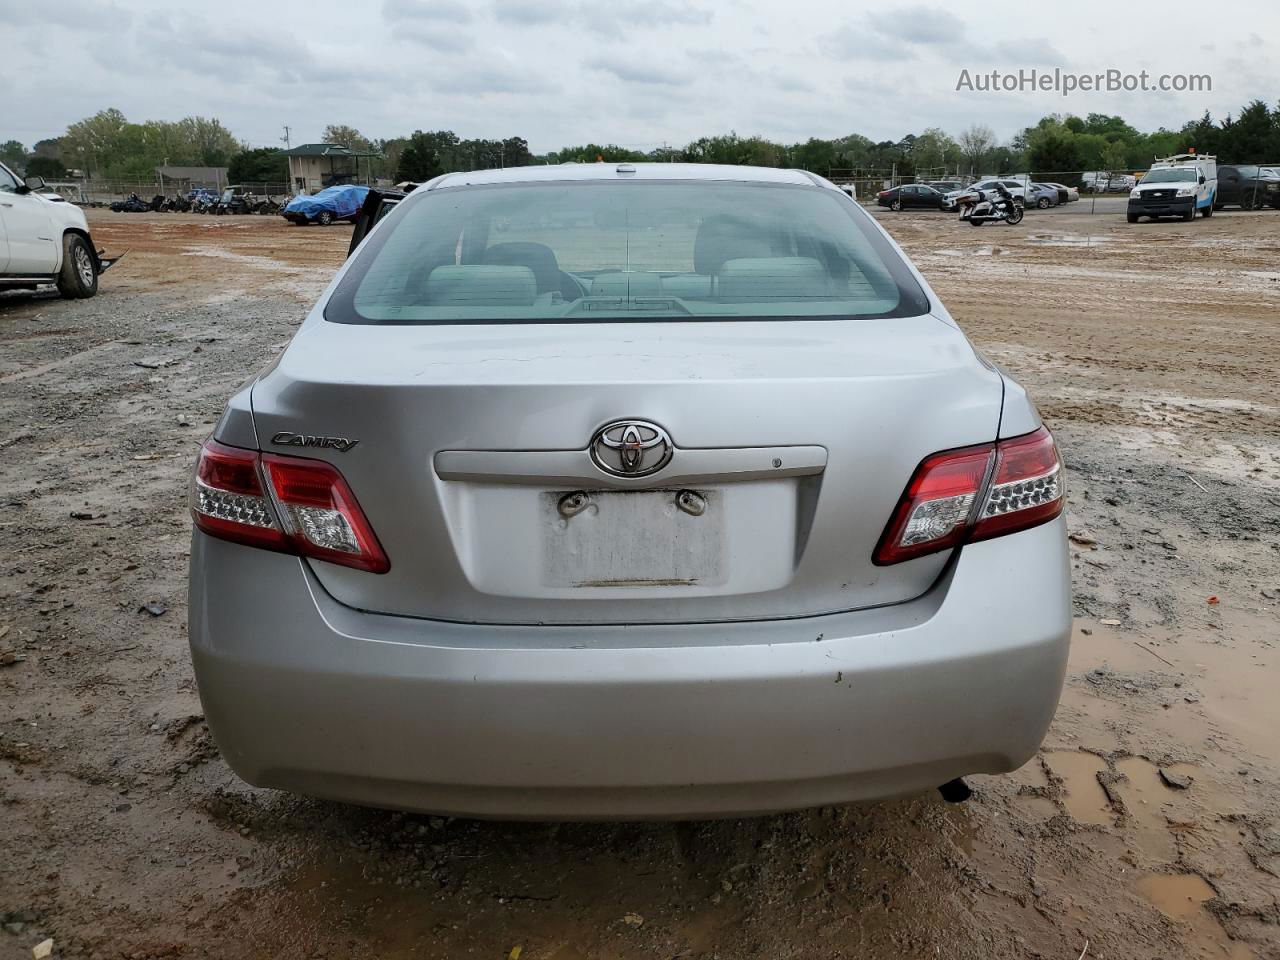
1201,135
259,165
1248,139
935,150
975,143
591,152
349,137
1114,156
212,144
46,167
816,156
96,142
13,155
422,156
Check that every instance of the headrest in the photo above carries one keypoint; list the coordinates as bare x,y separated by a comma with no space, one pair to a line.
773,278
538,257
723,237
481,285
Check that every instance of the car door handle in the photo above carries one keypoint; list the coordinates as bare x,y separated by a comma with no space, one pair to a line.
3,204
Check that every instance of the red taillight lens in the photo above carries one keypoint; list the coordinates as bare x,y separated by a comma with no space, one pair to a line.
961,496
322,512
308,510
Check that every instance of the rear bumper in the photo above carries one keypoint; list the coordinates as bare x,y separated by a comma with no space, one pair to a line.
307,695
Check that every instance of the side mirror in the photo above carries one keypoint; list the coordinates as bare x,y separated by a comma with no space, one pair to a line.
1202,178
33,183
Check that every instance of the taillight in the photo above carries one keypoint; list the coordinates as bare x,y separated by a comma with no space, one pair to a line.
289,504
975,493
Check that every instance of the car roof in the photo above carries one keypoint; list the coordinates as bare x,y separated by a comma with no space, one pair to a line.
630,171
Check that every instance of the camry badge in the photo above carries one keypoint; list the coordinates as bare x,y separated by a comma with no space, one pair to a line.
287,439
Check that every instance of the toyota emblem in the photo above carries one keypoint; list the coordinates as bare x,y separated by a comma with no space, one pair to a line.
631,448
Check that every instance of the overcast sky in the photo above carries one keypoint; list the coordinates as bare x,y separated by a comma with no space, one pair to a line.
561,72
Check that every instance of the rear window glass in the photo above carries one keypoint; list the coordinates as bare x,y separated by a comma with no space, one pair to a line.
630,250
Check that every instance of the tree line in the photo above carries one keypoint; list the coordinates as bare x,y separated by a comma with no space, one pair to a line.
108,145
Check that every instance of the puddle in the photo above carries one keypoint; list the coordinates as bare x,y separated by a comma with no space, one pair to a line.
1068,239
1176,895
1146,798
1085,799
1229,673
976,252
1181,897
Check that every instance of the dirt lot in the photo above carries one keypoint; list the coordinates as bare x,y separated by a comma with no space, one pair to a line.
1149,826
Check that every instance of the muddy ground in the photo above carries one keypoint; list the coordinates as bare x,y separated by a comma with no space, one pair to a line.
1148,827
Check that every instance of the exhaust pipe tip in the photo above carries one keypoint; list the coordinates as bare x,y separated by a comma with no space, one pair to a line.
955,791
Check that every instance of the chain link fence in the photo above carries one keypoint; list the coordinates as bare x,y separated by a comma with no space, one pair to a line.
105,192
1253,186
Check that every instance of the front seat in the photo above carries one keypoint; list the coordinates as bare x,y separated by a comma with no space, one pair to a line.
539,258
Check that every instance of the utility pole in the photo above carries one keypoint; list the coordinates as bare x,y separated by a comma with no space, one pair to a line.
285,138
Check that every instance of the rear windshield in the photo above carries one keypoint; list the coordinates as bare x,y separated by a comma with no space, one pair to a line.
631,250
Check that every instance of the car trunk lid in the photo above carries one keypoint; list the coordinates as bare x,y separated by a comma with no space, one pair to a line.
790,444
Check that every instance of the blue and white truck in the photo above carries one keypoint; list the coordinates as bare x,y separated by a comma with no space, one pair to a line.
1176,186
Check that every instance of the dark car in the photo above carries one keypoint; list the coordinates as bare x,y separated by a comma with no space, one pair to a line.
945,186
1247,186
911,195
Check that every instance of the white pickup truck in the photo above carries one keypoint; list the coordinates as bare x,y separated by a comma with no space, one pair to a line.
44,239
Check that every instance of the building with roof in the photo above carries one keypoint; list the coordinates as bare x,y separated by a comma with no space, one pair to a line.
314,166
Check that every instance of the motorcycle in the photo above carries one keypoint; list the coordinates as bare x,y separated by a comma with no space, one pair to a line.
976,208
132,204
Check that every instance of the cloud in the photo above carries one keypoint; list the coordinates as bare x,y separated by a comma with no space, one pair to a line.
618,21
852,43
639,71
1036,51
442,40
398,13
920,26
480,79
529,13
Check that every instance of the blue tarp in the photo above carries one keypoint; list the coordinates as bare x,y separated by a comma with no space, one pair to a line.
344,201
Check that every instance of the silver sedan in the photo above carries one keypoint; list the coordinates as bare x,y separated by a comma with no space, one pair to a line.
613,491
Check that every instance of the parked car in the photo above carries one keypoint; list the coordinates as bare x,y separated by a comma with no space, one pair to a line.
1066,194
582,524
329,205
1042,196
911,196
44,239
1247,186
945,186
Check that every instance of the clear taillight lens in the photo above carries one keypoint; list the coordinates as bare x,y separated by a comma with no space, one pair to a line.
974,494
1026,489
288,504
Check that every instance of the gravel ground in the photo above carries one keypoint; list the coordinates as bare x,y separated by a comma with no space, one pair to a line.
1147,827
